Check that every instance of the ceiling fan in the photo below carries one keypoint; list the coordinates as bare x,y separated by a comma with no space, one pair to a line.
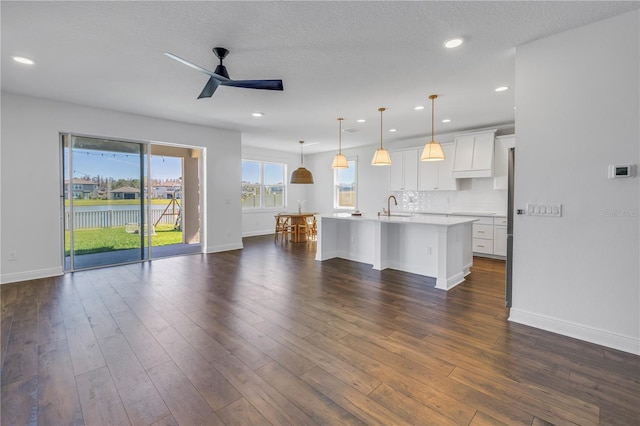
221,76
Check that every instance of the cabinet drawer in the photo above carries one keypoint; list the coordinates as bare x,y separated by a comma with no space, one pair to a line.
501,221
483,231
482,246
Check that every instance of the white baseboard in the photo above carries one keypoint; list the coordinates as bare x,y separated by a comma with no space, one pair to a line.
223,247
578,331
257,233
31,275
451,282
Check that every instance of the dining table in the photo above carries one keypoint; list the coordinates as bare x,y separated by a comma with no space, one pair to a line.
297,219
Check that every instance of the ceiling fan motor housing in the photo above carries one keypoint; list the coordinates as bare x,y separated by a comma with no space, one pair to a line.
220,52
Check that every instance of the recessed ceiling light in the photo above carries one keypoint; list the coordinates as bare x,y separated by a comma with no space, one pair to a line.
257,114
361,120
23,60
502,88
454,42
418,108
446,120
393,130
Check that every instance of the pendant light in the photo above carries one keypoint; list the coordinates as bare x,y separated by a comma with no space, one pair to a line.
340,161
432,150
381,156
301,175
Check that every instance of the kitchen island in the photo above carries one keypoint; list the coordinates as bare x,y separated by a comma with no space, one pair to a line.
434,246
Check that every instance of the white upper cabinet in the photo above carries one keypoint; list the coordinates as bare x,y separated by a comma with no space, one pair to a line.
501,160
403,172
437,175
473,157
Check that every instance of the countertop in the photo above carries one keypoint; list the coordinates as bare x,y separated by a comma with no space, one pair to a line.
405,218
454,213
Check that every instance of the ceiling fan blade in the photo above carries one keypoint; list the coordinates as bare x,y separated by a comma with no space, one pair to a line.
218,77
255,84
209,88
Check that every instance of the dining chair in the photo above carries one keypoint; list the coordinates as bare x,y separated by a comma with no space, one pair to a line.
280,220
302,229
313,227
284,228
289,230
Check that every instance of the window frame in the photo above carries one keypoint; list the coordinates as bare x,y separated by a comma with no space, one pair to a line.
262,187
336,192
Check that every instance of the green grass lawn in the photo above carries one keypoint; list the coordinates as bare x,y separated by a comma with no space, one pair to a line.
98,240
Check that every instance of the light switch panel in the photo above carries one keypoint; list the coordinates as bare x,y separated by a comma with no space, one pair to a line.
553,210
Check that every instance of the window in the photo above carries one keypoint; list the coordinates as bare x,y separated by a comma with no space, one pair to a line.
344,183
263,185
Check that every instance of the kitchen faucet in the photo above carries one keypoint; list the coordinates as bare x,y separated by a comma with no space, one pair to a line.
389,203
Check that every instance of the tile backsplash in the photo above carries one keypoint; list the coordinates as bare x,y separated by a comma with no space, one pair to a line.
473,195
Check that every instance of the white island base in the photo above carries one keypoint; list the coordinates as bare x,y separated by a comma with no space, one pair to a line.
438,247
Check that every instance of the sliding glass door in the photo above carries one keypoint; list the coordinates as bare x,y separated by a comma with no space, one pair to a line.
105,202
128,201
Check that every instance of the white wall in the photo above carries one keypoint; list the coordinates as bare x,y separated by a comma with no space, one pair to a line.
261,222
577,112
31,176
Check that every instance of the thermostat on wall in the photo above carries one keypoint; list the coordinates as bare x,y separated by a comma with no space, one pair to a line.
620,171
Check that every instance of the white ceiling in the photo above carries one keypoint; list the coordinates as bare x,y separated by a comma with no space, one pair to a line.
335,59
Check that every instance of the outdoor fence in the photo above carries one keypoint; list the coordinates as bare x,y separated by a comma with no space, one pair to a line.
111,218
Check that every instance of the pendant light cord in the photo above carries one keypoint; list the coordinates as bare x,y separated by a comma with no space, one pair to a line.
301,158
433,99
340,136
432,117
381,109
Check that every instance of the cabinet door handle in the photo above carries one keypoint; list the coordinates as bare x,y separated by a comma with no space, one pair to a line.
480,232
480,245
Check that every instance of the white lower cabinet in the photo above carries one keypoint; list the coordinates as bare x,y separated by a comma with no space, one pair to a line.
500,236
483,235
490,236
500,240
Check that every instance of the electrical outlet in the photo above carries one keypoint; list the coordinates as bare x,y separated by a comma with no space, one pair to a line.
12,256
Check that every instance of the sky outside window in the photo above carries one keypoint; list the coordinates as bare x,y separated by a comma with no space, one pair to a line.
122,166
347,176
273,173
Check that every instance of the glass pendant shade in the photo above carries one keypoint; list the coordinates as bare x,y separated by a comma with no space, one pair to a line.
301,174
340,161
432,150
381,156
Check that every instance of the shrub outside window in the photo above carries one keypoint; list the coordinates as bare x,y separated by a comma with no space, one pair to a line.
263,185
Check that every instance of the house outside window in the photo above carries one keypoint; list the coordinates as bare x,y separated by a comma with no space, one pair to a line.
345,188
263,185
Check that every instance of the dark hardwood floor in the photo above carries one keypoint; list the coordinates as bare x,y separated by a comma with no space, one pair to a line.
267,335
